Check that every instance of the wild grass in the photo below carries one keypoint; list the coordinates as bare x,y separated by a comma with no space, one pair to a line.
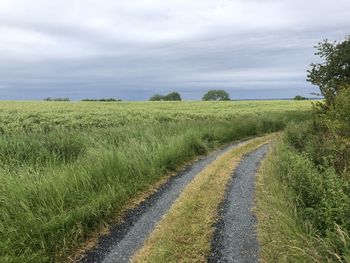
66,168
302,210
185,232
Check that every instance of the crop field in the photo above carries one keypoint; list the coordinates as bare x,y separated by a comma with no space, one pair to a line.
66,168
19,117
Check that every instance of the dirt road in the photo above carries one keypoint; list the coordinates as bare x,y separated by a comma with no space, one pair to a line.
126,238
235,235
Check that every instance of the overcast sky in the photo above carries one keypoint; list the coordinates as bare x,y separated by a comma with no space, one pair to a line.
131,49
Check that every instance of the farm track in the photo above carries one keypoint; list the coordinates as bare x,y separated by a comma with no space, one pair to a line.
235,237
126,238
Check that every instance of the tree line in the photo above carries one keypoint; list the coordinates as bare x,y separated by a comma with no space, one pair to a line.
87,99
211,95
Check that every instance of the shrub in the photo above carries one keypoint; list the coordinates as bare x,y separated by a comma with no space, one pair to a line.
303,209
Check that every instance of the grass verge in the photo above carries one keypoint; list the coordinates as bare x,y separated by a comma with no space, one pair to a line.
285,231
185,232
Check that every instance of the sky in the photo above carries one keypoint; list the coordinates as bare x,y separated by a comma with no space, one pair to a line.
131,49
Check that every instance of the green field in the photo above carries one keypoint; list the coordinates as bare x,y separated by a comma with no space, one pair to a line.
19,117
67,167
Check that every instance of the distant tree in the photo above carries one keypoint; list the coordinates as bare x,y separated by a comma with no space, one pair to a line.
61,99
57,99
103,100
216,95
156,97
333,74
298,97
173,96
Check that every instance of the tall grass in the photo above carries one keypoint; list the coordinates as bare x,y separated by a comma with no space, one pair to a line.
303,209
57,187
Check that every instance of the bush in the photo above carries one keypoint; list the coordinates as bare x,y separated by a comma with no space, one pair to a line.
326,138
338,118
306,209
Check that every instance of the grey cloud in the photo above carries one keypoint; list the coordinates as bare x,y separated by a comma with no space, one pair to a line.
249,61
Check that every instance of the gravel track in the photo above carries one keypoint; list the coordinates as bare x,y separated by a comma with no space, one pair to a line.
126,238
235,232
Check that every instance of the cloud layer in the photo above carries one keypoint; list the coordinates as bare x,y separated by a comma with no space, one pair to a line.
132,49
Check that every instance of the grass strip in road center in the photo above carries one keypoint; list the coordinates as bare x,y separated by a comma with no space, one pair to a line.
185,232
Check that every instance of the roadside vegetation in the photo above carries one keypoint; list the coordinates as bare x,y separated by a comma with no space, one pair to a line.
186,231
67,168
303,197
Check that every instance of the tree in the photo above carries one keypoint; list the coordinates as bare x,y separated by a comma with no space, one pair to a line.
173,96
333,74
298,97
57,99
216,95
156,97
329,140
102,100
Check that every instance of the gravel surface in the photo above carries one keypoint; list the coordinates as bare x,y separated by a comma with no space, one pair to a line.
235,232
126,238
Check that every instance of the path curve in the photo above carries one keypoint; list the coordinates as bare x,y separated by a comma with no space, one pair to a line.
126,238
235,232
